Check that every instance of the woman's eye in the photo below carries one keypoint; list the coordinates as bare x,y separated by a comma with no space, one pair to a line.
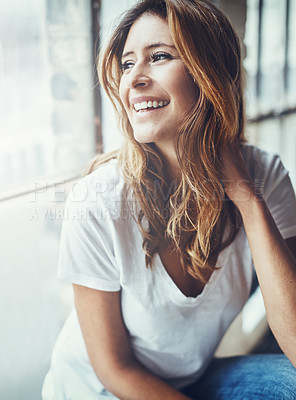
126,65
161,56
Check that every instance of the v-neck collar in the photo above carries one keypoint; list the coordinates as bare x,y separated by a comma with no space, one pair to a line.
176,294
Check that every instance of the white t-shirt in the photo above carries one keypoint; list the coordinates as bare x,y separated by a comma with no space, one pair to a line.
172,335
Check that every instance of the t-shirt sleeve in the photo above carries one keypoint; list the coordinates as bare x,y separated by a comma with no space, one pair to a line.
86,254
280,197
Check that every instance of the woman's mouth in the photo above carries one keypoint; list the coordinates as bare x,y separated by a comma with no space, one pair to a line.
149,105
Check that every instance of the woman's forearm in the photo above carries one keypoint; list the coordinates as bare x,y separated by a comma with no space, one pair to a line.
109,350
134,382
274,263
276,270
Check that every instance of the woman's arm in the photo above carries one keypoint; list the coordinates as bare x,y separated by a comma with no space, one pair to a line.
274,258
109,351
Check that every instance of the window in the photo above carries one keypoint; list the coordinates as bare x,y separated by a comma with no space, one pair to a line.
46,89
271,77
271,57
50,125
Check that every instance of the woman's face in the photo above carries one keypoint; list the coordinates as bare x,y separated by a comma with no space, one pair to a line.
155,89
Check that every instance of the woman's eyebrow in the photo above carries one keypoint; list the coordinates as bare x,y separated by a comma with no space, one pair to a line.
150,46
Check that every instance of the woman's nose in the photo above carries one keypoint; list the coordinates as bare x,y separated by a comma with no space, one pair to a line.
138,76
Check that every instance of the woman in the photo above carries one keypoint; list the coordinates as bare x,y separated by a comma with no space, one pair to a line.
159,238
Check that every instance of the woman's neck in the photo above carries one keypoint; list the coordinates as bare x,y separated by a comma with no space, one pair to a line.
171,160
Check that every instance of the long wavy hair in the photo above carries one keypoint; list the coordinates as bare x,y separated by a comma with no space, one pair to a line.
194,215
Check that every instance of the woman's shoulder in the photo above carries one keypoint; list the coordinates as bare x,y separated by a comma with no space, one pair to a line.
260,161
102,188
266,168
253,153
106,172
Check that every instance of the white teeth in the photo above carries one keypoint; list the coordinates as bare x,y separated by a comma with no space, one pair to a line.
149,104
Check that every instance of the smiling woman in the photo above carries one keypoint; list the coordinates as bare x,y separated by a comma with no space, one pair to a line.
161,257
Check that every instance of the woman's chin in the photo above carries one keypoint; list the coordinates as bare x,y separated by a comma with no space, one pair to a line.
148,137
144,138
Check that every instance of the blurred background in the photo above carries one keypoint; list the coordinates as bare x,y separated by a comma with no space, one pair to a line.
54,118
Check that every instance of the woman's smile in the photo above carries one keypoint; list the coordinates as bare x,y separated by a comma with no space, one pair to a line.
149,105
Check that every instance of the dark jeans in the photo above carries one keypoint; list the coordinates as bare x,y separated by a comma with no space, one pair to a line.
252,377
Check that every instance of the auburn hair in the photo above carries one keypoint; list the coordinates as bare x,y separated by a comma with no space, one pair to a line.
193,215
